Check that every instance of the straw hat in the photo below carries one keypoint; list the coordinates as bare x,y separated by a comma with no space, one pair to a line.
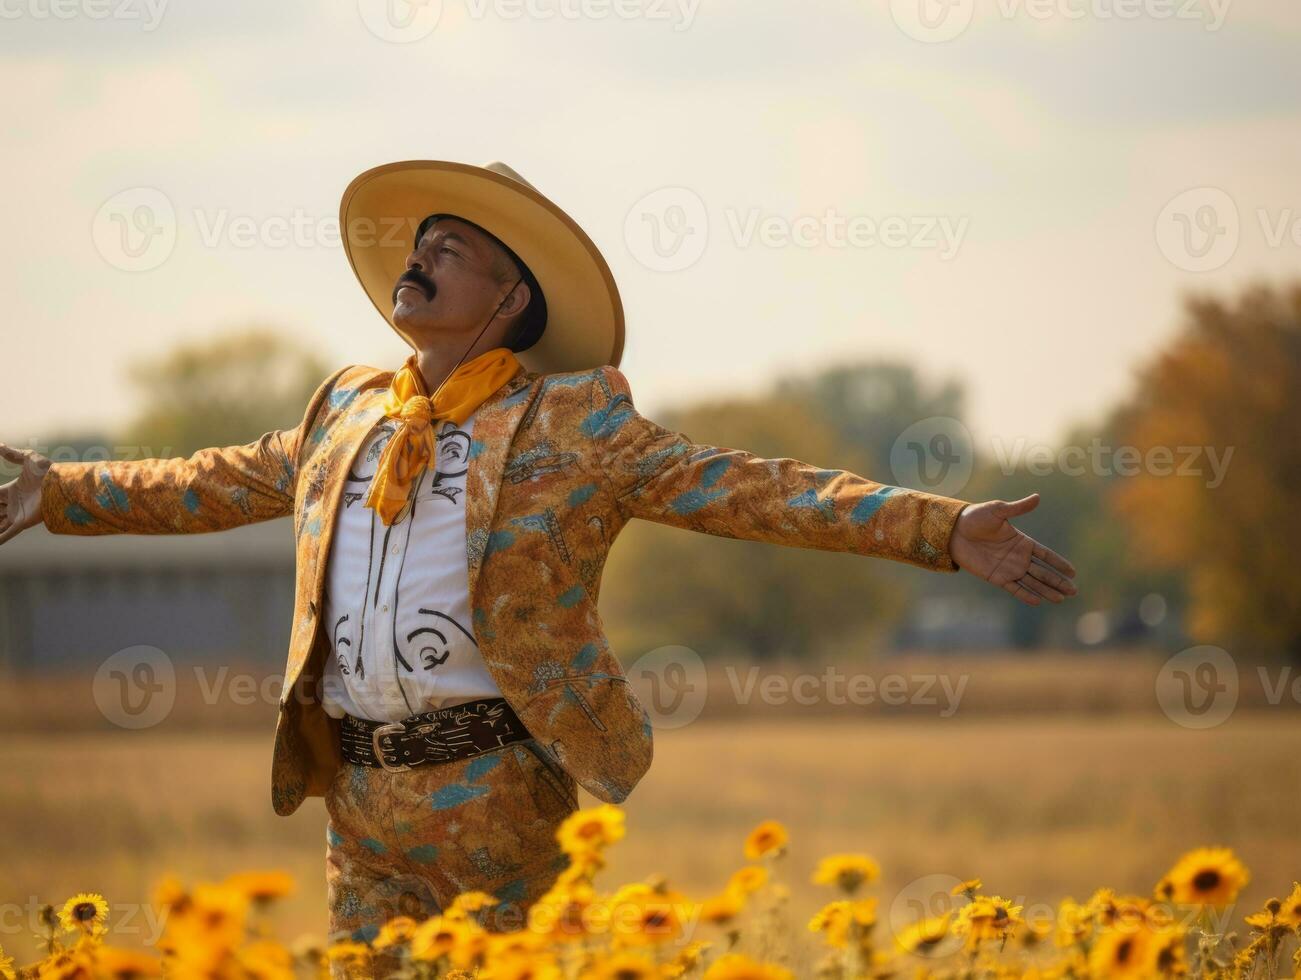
382,208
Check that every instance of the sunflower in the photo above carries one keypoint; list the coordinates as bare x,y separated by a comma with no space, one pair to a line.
734,966
6,966
468,903
623,966
67,964
923,938
770,837
987,917
1114,911
687,959
640,914
722,908
266,960
1207,876
591,829
564,912
968,888
1122,953
87,911
532,967
126,964
440,936
1074,922
397,931
846,871
348,953
1290,908
748,880
839,920
261,887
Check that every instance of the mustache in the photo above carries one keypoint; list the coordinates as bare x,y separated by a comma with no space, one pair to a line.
415,277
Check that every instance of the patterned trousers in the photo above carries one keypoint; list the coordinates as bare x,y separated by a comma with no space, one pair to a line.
407,843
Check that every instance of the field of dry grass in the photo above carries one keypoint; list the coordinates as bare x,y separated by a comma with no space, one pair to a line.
1039,807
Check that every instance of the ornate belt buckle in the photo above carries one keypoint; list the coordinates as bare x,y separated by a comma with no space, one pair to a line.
392,728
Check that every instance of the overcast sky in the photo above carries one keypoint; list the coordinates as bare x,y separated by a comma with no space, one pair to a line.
1057,173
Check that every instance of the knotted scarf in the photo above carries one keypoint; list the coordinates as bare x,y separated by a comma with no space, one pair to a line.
413,446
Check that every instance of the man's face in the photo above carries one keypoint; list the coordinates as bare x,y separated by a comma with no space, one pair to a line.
454,279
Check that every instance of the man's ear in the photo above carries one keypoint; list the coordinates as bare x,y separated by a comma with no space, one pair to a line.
518,299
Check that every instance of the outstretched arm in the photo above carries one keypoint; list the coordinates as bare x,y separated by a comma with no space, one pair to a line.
211,490
659,475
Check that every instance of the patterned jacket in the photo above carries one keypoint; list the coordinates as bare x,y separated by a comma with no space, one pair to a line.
559,463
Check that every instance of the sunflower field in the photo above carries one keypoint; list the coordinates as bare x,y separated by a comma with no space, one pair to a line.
1187,927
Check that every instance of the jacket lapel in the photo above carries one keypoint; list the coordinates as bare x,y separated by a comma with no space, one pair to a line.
494,428
330,470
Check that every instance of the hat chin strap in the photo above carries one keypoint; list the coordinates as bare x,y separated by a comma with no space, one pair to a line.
476,338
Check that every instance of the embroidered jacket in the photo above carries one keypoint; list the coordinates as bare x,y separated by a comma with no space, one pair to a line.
559,463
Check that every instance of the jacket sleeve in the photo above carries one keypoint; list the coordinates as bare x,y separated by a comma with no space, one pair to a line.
212,490
660,475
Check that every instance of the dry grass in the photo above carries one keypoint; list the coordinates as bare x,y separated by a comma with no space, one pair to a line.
1037,807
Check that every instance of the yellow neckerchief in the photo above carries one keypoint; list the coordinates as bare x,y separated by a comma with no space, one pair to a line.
412,447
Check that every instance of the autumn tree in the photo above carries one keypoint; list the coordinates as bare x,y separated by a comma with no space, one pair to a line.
223,391
1230,381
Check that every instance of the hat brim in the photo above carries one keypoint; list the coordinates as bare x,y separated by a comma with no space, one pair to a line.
382,208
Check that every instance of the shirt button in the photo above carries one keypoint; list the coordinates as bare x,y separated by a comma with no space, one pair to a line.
395,549
386,607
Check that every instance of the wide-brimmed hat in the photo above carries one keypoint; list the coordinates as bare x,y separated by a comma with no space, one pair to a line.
382,208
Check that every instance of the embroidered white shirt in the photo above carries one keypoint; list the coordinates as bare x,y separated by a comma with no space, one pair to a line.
397,604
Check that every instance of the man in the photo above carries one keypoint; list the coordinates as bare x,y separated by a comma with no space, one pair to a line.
449,684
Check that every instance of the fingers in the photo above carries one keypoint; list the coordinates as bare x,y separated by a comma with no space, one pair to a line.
11,454
1050,557
1061,585
1021,592
1016,508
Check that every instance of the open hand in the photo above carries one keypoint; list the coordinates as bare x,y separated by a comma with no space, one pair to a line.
20,499
985,544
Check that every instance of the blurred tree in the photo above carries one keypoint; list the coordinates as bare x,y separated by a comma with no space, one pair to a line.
1231,380
867,405
668,586
226,391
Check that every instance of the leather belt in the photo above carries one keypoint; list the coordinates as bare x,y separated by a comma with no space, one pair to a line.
446,735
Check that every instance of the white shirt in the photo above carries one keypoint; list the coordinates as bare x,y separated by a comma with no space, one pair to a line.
397,604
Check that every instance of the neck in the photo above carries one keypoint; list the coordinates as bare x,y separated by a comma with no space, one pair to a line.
437,359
